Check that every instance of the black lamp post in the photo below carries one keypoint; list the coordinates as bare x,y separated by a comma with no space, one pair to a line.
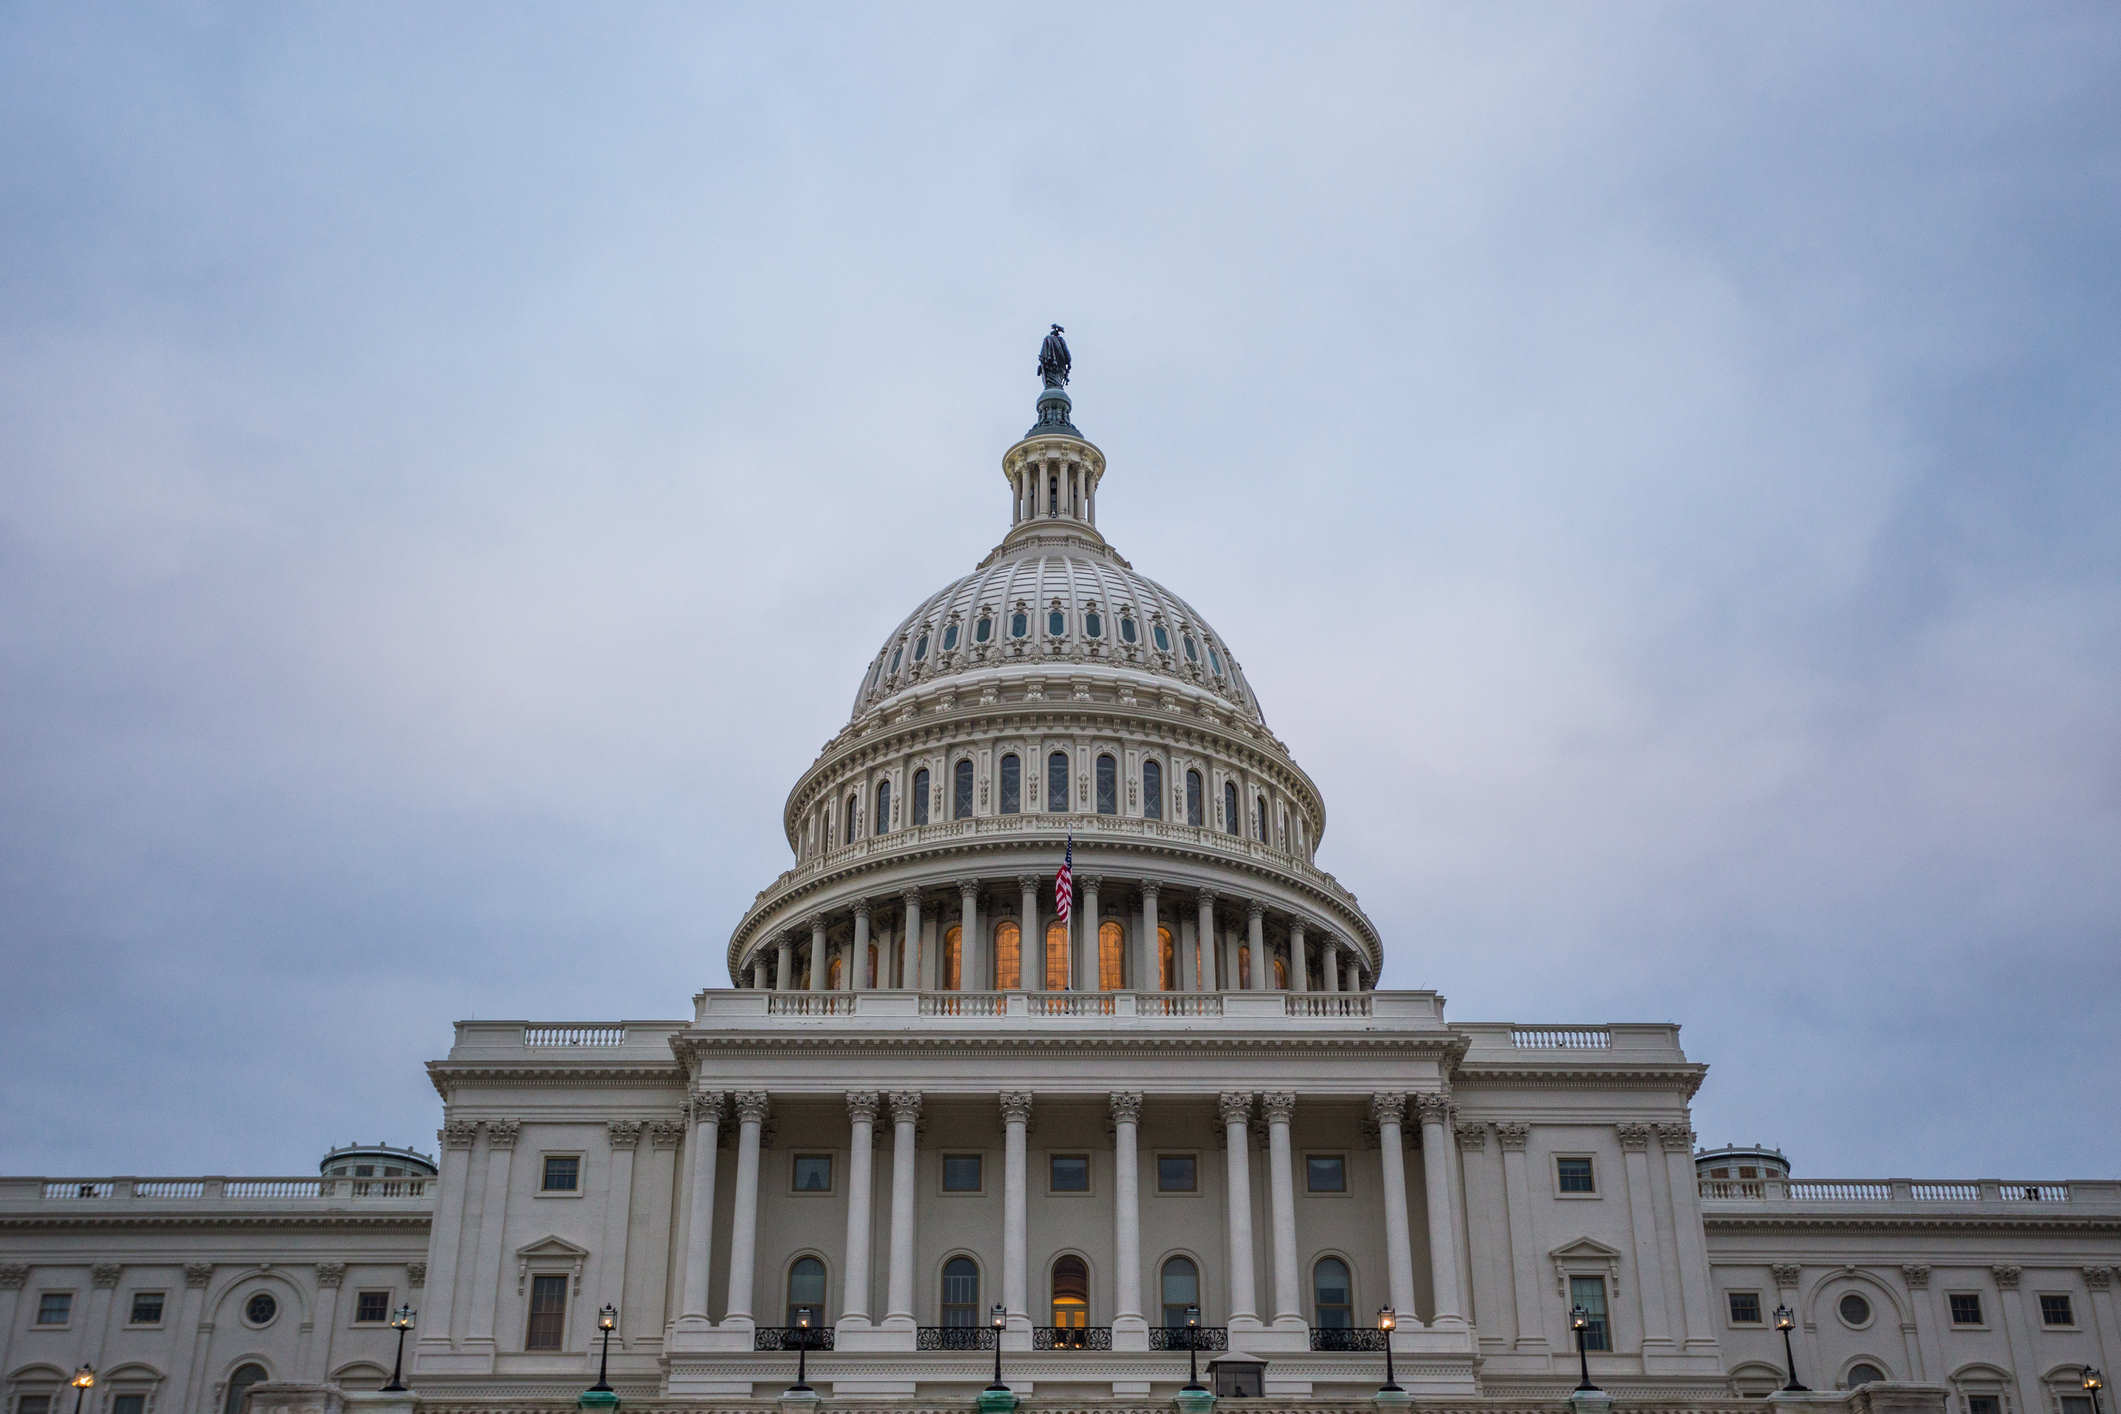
607,1321
802,1352
83,1378
1193,1350
1387,1319
400,1321
1785,1319
1000,1318
1580,1322
2093,1383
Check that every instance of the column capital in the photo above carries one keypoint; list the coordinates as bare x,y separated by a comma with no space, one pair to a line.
1255,909
501,1133
911,898
460,1133
1434,1109
1089,881
752,1106
198,1274
1016,1106
1634,1138
105,1274
1329,940
707,1106
968,886
816,923
1473,1136
1279,1106
1513,1136
625,1133
1205,897
666,1133
1126,1106
862,1106
1388,1109
1299,925
1676,1138
331,1273
1785,1273
2006,1277
860,907
15,1275
1151,887
1917,1275
905,1105
1235,1106
1027,882
2095,1278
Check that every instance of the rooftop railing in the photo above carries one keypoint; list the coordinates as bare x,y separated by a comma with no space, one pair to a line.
1885,1190
574,1035
1327,1006
213,1190
1560,1038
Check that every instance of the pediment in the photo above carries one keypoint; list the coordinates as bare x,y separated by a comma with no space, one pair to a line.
551,1254
1585,1249
558,1247
1586,1256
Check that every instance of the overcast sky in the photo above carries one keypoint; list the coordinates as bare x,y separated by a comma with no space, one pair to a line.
1656,463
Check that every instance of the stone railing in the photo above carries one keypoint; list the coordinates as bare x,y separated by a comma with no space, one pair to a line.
574,1035
1560,1038
746,1006
212,1189
1893,1190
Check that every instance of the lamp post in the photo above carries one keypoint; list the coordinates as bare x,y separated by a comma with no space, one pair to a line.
2093,1383
400,1321
1387,1319
83,1378
607,1321
1193,1350
802,1352
999,1318
1785,1319
1580,1322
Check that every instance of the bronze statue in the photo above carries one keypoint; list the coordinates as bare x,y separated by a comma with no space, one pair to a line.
1053,361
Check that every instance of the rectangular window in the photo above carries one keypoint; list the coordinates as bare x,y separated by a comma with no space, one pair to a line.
34,1404
129,1404
1071,1173
2076,1404
147,1308
548,1313
1326,1173
563,1173
1107,786
961,1173
813,1173
2055,1311
54,1308
1966,1308
1589,1293
1984,1404
1175,1173
372,1307
1745,1308
1575,1176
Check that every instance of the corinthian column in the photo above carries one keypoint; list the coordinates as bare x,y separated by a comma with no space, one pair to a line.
744,1223
1281,1188
858,971
1443,1229
1196,967
1237,1128
898,1287
861,1145
1329,961
910,945
1256,924
1085,969
818,966
1148,975
1129,1330
1389,1111
1299,958
1016,1115
784,964
699,1231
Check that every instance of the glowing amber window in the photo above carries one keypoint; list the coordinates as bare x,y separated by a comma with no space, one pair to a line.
1111,956
1167,959
1056,956
1071,1293
1008,957
953,959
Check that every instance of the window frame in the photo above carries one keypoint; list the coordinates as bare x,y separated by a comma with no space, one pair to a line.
832,1174
1200,1298
1191,1156
1152,799
963,772
942,1174
243,1308
1870,1310
1105,787
1605,1315
923,789
549,1281
1730,1311
545,1158
1317,1307
979,1282
382,1320
1554,1168
2069,1310
132,1309
1002,981
1951,1310
1345,1189
1002,804
824,1301
1089,1188
65,1322
1065,766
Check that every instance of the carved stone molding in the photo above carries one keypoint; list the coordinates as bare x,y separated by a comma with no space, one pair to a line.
1786,1274
1150,888
707,1107
197,1274
1255,910
1016,1106
1916,1275
1676,1138
1279,1106
752,1106
906,1105
666,1133
106,1274
2006,1277
2098,1278
1127,1107
459,1133
331,1273
1434,1109
1388,1109
501,1133
416,1275
1235,1106
13,1276
1027,882
1513,1136
1633,1137
1473,1136
863,1105
625,1133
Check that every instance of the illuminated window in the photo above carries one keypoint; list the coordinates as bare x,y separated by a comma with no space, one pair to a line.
1111,956
1167,959
1008,956
953,959
1056,956
1071,1293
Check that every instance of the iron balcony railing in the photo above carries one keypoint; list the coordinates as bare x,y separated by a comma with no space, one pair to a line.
1071,1337
954,1338
1347,1338
792,1338
1189,1337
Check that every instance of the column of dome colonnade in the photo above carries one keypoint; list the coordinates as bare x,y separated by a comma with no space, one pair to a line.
1128,1321
864,943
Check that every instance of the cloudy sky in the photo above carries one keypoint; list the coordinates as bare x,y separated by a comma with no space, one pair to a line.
1657,463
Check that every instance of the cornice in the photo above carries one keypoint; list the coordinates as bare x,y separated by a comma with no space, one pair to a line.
330,1217
1909,1222
1479,1076
692,1046
629,1075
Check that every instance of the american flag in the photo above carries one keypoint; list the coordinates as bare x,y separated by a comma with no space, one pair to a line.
1064,883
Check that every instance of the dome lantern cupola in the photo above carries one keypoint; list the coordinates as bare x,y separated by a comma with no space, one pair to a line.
1053,471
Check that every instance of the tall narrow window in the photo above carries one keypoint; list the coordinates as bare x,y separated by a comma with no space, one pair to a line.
872,966
950,638
920,795
883,807
1166,960
1331,1293
983,630
1056,956
961,790
1012,785
1181,1289
1071,1293
1111,956
1152,790
1053,495
961,1292
1008,956
1230,806
953,959
806,1291
1107,786
920,648
1589,1293
1244,969
1056,624
1259,818
1281,975
1057,781
548,1313
1193,800
1126,629
854,813
832,974
239,1386
1093,625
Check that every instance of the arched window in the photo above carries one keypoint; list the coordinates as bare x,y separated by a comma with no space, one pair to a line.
873,979
1166,960
1230,806
953,959
961,1292
1333,1295
1107,786
1259,818
806,1288
833,974
1863,1373
239,1385
1053,495
1181,1288
1012,785
1057,781
1244,969
1193,801
896,654
883,807
1111,956
1008,956
961,791
920,795
1071,1293
1152,790
854,812
1056,956
1281,975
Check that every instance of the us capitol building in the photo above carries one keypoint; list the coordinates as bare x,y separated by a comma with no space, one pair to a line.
924,1101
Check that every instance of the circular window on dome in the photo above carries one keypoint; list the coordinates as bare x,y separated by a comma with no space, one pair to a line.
1163,640
260,1309
920,648
1126,630
1093,625
983,630
1192,653
1056,623
1855,1310
1019,625
895,654
1214,661
950,638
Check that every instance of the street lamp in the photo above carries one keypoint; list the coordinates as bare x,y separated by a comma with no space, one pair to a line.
1785,1318
1193,1350
1387,1319
83,1378
400,1321
999,1318
1580,1322
607,1321
2093,1383
802,1352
